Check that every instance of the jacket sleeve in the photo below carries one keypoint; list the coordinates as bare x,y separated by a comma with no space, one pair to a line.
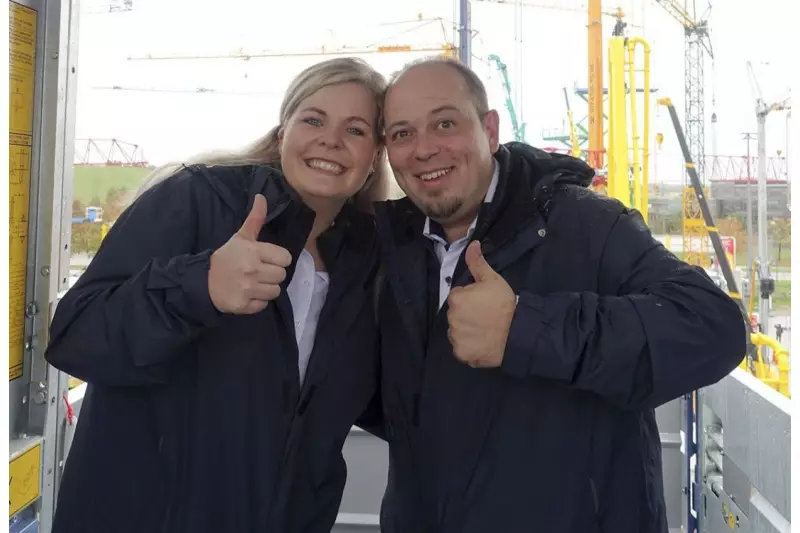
144,296
664,331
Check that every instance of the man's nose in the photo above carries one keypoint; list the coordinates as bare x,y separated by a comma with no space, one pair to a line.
425,147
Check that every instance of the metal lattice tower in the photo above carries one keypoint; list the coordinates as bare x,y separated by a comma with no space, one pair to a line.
695,237
694,97
697,42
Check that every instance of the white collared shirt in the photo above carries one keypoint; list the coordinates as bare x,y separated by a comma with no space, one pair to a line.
307,292
448,253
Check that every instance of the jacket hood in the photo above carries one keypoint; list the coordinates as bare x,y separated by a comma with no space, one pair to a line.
567,169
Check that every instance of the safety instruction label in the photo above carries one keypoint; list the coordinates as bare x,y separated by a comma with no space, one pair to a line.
22,84
24,472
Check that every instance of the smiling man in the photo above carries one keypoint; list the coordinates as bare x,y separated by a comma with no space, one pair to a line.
529,329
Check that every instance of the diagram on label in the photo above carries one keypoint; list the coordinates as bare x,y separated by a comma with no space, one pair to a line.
22,84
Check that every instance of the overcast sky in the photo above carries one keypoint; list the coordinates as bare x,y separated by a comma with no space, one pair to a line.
157,109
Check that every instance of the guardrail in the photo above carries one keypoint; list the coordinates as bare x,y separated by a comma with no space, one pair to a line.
773,371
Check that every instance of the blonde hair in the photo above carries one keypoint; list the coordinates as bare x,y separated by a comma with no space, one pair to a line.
266,150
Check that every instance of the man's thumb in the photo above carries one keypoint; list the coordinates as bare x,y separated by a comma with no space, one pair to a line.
477,264
255,220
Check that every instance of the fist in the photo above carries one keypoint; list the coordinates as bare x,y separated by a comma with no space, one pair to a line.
245,274
480,314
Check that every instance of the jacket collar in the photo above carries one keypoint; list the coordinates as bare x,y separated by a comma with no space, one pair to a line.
527,177
290,221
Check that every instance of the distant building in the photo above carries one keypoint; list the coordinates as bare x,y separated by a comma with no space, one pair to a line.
729,198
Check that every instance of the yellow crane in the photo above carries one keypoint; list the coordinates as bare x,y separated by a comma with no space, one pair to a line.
444,47
595,84
697,44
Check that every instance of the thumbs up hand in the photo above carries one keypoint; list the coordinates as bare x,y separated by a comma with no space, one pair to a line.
245,274
480,314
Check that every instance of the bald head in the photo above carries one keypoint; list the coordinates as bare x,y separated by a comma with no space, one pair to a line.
471,82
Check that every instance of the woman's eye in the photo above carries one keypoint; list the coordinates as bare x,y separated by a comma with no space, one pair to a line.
313,121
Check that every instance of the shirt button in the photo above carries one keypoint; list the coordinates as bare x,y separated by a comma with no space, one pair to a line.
448,280
306,283
542,233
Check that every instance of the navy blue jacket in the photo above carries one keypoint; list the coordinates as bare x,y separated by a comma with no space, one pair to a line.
195,421
609,325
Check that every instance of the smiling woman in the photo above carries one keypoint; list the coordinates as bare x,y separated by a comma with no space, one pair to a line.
241,276
328,146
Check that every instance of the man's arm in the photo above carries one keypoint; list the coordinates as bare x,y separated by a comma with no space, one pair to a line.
667,331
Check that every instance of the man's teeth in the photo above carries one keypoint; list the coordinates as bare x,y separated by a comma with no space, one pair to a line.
435,174
326,165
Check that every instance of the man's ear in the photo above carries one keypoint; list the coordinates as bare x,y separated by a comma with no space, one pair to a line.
281,133
379,157
491,127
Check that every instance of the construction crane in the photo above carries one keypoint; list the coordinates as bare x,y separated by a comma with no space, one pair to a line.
595,78
554,7
595,90
575,150
594,82
755,362
446,49
697,186
766,283
697,43
518,127
187,90
106,6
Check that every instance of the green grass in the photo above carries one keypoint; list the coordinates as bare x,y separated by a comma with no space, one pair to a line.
741,257
90,183
785,260
781,298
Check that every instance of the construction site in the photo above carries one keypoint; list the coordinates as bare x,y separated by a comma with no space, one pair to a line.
636,95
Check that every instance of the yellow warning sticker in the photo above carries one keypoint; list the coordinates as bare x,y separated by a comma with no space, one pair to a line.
24,472
22,48
22,83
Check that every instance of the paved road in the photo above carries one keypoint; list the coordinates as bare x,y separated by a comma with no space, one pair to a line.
784,319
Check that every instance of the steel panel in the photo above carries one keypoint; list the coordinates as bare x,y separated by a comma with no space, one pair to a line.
719,510
669,420
756,425
764,518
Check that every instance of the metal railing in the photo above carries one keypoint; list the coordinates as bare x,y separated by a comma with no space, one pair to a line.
773,371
